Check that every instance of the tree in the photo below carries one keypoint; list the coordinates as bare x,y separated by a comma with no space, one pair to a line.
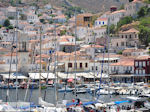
0,26
10,27
125,20
94,19
42,20
121,7
39,15
130,0
11,17
63,32
144,35
6,23
142,12
23,17
112,29
51,22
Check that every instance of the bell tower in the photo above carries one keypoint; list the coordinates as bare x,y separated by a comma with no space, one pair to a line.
23,51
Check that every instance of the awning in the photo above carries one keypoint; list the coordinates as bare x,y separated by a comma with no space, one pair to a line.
6,76
66,76
43,75
12,76
99,75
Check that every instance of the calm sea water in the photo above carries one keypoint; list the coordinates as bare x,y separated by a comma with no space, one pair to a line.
32,96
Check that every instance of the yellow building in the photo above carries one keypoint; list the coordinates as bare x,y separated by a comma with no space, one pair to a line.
84,20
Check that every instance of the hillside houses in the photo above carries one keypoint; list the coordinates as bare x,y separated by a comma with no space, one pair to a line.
81,43
125,39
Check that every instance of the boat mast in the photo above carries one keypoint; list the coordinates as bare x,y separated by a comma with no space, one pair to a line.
108,42
16,32
55,67
75,65
94,70
40,64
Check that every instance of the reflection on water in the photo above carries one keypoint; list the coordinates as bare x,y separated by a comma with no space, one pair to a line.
32,96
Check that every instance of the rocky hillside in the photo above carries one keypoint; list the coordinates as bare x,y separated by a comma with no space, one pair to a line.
88,5
98,5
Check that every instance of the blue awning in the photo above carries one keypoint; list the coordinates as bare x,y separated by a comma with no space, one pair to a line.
119,102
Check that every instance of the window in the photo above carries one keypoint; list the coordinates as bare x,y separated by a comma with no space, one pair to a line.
24,46
122,43
126,36
131,68
148,63
86,18
117,44
143,71
122,36
99,22
143,63
140,64
86,65
96,68
92,68
136,71
80,65
103,23
13,61
69,65
136,63
130,36
140,71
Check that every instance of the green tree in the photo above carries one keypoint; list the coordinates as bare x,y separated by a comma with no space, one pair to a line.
11,17
123,21
6,23
10,27
63,32
23,17
0,26
51,22
130,0
142,12
120,52
145,21
19,2
121,7
94,19
39,15
144,35
112,29
41,20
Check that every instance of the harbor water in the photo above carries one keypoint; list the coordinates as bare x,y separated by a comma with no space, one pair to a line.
32,96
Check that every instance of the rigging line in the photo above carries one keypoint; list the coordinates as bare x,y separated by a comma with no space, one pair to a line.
47,77
75,67
94,69
101,70
40,63
108,41
29,76
55,59
7,96
17,55
67,73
